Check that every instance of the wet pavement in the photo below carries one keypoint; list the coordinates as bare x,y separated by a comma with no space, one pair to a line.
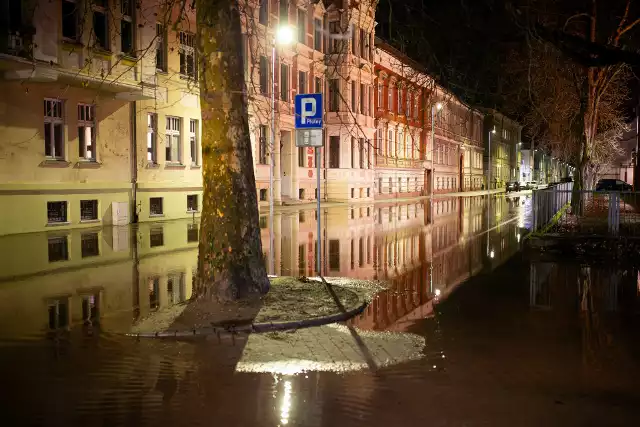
469,332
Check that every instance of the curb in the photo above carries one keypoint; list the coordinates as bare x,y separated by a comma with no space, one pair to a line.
256,327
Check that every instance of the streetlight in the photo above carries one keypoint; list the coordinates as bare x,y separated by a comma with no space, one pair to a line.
493,132
283,37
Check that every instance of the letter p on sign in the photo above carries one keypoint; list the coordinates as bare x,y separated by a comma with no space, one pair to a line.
308,109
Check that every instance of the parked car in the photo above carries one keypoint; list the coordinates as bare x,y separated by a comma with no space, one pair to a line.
513,186
531,185
566,179
613,185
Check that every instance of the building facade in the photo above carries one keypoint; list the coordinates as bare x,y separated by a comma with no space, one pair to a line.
502,149
413,156
101,119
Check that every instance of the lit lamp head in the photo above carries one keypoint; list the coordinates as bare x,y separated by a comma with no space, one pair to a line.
439,106
493,131
284,35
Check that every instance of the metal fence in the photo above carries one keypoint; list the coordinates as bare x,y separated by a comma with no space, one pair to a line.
601,212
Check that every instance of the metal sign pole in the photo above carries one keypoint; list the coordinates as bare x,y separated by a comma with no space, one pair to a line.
319,244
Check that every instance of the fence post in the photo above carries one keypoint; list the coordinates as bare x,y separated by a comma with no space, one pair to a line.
534,209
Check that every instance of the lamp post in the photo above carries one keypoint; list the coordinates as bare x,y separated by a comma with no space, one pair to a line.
283,37
493,131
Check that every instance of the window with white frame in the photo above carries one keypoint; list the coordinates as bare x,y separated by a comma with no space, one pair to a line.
86,132
389,98
188,66
415,106
408,104
391,147
379,95
53,129
399,100
172,140
193,142
152,138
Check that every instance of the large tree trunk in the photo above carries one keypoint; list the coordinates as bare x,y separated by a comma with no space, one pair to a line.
230,262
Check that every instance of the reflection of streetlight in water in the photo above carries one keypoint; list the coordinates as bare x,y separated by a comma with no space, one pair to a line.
285,406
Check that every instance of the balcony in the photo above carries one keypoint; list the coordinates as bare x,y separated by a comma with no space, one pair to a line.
393,162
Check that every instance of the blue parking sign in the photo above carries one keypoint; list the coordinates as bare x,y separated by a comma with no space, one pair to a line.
308,111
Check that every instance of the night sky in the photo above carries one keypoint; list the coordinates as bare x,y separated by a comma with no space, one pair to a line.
468,44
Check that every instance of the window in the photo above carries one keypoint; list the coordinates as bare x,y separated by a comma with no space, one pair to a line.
334,255
399,185
334,36
161,48
263,198
363,93
361,150
192,203
334,152
302,26
156,237
284,82
353,97
155,206
399,100
127,28
353,195
284,12
334,94
301,156
188,66
262,145
302,82
192,233
53,129
58,314
88,210
264,75
317,34
318,85
264,12
89,244
389,98
415,106
56,212
58,248
363,44
379,89
91,308
172,140
101,25
86,132
390,189
408,104
152,138
353,152
354,33
368,195
69,20
193,142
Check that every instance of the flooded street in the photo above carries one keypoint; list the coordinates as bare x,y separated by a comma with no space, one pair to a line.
469,332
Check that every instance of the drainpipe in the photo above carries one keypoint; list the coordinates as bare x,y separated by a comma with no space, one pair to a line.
134,161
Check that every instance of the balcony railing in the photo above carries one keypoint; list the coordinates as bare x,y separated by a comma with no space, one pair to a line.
398,163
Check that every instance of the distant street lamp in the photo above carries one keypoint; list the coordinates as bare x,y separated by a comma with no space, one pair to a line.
282,37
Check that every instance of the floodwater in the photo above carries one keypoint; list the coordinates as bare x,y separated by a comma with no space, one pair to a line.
469,332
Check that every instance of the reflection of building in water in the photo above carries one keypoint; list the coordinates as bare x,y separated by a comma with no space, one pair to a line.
421,260
85,277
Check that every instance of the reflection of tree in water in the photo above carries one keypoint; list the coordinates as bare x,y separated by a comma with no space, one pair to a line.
597,296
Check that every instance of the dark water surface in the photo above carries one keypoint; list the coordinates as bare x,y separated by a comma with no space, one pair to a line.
469,333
